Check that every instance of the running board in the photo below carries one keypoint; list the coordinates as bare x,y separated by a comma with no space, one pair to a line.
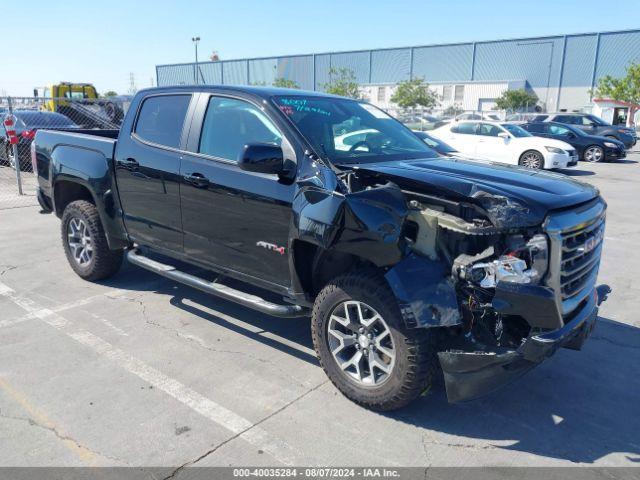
228,293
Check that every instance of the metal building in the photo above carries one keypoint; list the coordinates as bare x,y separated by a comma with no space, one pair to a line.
559,69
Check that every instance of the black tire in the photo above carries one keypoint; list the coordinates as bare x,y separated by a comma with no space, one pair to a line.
526,160
104,262
593,154
416,363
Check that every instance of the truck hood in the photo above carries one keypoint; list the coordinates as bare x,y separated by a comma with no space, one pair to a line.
512,196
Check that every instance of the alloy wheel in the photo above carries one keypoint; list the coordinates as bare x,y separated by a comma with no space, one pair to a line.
593,154
361,344
80,241
532,160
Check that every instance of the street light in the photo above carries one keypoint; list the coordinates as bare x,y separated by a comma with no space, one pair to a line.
195,41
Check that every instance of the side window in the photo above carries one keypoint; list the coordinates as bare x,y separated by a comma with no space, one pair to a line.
570,119
534,127
467,128
558,130
230,124
586,121
489,130
161,119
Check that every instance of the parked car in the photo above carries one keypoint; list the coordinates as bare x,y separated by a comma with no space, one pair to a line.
405,261
438,145
421,122
593,125
590,148
506,143
525,117
28,122
477,116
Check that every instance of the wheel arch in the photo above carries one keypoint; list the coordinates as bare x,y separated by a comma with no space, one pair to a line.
68,189
315,266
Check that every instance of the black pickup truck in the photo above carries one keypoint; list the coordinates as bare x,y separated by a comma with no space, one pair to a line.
406,261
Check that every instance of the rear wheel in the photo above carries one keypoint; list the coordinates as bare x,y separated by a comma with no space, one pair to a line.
85,243
532,159
365,348
594,153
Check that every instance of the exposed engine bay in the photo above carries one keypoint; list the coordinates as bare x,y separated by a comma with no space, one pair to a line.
477,255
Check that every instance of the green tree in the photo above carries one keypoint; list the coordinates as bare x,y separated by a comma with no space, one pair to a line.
282,82
624,89
342,81
414,93
453,110
110,93
516,100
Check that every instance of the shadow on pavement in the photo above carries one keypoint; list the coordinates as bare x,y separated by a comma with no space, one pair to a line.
578,173
576,406
294,330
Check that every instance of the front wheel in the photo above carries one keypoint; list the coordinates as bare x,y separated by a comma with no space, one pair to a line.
532,159
364,347
85,243
593,153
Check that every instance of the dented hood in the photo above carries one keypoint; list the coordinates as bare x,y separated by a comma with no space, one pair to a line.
513,196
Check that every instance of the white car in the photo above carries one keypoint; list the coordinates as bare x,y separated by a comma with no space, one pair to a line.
506,143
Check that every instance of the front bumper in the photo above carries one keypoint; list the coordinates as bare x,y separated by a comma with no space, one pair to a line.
557,160
469,375
614,153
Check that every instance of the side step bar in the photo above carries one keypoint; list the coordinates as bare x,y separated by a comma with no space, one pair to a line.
228,293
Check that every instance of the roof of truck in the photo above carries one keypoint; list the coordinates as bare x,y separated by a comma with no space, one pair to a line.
263,92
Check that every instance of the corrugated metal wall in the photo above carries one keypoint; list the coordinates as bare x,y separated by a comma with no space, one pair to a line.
560,69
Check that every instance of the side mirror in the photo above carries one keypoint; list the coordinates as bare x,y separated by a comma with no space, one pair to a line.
571,135
261,158
504,135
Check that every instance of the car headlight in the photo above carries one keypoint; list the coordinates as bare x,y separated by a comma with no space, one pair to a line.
554,150
610,145
527,264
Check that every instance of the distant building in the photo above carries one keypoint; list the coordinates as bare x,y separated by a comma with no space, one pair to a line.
559,69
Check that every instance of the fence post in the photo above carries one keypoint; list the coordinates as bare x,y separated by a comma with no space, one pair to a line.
16,155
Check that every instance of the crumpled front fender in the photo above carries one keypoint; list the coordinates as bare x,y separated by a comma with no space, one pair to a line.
425,292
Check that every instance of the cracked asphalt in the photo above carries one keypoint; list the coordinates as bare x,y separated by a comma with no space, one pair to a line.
140,371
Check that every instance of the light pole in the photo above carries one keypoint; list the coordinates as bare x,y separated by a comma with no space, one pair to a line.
195,41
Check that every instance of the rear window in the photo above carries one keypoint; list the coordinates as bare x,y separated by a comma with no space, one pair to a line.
161,119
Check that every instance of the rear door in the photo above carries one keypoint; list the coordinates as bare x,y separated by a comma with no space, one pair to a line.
234,219
148,171
464,137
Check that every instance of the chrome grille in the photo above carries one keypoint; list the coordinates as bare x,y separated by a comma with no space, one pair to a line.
576,238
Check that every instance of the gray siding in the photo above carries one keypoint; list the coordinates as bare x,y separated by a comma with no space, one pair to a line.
560,69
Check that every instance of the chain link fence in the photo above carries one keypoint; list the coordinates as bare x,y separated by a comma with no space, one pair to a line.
17,179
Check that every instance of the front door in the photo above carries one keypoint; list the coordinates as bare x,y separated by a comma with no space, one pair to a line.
490,146
232,218
147,172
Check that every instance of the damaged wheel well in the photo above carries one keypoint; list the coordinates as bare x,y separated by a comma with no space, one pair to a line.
315,266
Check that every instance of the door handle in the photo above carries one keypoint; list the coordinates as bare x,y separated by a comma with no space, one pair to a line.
196,179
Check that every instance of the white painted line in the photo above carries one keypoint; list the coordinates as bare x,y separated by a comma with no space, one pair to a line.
233,422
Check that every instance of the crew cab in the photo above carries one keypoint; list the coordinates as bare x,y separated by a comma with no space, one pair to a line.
506,143
407,262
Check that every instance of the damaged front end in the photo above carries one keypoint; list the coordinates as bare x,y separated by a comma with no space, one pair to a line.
510,291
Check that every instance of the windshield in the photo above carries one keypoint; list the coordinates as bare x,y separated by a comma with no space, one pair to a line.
515,130
347,131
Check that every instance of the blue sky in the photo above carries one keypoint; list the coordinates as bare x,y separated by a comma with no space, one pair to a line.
102,42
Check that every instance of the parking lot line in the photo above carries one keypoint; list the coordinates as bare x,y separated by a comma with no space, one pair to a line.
224,417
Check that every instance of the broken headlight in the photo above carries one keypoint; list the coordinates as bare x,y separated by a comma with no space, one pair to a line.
527,263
